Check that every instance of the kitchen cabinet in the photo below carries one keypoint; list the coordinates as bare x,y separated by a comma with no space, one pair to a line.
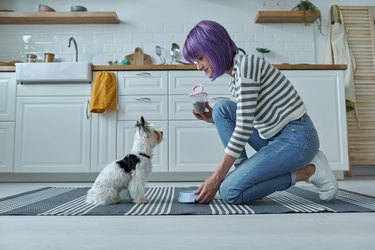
56,133
194,145
103,138
53,128
7,120
52,134
104,17
143,93
324,95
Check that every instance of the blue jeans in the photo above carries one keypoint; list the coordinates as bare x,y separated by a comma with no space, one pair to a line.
272,168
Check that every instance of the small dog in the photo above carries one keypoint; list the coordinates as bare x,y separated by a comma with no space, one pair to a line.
131,172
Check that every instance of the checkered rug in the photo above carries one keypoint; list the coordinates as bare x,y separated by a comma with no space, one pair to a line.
71,201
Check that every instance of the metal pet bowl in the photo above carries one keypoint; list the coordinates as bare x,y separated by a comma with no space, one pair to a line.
187,196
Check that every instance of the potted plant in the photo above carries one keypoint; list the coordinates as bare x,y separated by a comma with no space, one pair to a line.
306,5
263,51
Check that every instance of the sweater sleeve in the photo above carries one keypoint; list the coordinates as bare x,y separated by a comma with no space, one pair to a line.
247,91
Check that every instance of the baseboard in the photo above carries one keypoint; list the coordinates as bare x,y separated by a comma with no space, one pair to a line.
90,177
362,170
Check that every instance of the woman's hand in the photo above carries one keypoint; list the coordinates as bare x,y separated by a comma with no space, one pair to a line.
206,116
207,191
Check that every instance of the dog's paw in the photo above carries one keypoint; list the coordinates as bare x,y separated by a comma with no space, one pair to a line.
141,201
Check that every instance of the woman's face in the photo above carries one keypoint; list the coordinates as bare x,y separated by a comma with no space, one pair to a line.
204,64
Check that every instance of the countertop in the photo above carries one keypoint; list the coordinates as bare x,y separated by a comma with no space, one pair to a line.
284,66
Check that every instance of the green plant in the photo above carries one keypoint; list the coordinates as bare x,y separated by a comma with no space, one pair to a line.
263,51
306,5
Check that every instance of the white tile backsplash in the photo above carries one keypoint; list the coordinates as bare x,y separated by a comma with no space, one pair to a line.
146,24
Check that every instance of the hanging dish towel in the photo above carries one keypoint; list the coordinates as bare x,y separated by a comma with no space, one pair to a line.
104,92
337,52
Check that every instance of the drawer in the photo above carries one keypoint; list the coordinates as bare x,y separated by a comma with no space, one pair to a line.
180,106
151,107
142,82
181,82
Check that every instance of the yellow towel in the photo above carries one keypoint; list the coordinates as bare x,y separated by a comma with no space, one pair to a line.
104,92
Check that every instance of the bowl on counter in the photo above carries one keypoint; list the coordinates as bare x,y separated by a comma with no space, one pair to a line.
77,8
45,8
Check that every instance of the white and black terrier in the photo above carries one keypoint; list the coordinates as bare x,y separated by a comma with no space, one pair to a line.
131,172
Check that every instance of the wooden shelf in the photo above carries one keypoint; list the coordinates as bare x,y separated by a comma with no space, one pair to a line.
109,17
287,16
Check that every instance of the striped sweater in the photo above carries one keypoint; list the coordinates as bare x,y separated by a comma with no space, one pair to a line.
266,100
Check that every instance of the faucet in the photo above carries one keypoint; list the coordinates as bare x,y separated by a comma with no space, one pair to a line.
75,47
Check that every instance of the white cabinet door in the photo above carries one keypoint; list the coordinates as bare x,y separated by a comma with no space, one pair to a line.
52,134
103,140
142,82
6,146
7,96
323,94
152,107
181,83
125,139
7,120
194,147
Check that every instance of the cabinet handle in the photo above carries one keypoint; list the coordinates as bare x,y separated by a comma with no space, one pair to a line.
144,99
144,74
88,109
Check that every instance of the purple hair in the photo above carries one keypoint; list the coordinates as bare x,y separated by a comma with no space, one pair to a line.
210,39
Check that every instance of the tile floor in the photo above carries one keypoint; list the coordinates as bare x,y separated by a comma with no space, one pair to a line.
289,231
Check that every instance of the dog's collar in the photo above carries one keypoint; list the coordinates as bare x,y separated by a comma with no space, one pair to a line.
145,155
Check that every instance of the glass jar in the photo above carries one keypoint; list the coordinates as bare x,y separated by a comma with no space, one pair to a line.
31,58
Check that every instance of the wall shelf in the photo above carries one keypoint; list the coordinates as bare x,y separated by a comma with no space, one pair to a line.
287,16
109,17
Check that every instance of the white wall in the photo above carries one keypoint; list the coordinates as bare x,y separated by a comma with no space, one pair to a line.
147,23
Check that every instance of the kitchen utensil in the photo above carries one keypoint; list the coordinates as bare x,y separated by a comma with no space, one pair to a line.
175,51
185,63
138,57
158,52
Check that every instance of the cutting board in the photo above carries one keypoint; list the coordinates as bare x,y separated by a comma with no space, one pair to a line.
138,57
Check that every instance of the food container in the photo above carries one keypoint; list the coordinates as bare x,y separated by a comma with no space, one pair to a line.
49,57
31,58
198,98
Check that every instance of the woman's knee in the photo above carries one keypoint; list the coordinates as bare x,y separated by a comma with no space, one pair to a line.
230,195
223,108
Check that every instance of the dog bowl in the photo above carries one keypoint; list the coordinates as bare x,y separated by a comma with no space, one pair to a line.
187,196
77,8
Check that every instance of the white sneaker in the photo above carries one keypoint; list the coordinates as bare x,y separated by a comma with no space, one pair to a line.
323,177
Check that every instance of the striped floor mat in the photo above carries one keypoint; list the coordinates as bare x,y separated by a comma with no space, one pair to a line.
71,201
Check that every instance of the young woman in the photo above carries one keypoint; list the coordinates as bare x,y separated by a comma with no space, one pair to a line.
267,113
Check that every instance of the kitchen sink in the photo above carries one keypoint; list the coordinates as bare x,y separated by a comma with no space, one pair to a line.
59,72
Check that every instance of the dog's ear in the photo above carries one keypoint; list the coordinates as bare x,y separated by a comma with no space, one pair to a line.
141,123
